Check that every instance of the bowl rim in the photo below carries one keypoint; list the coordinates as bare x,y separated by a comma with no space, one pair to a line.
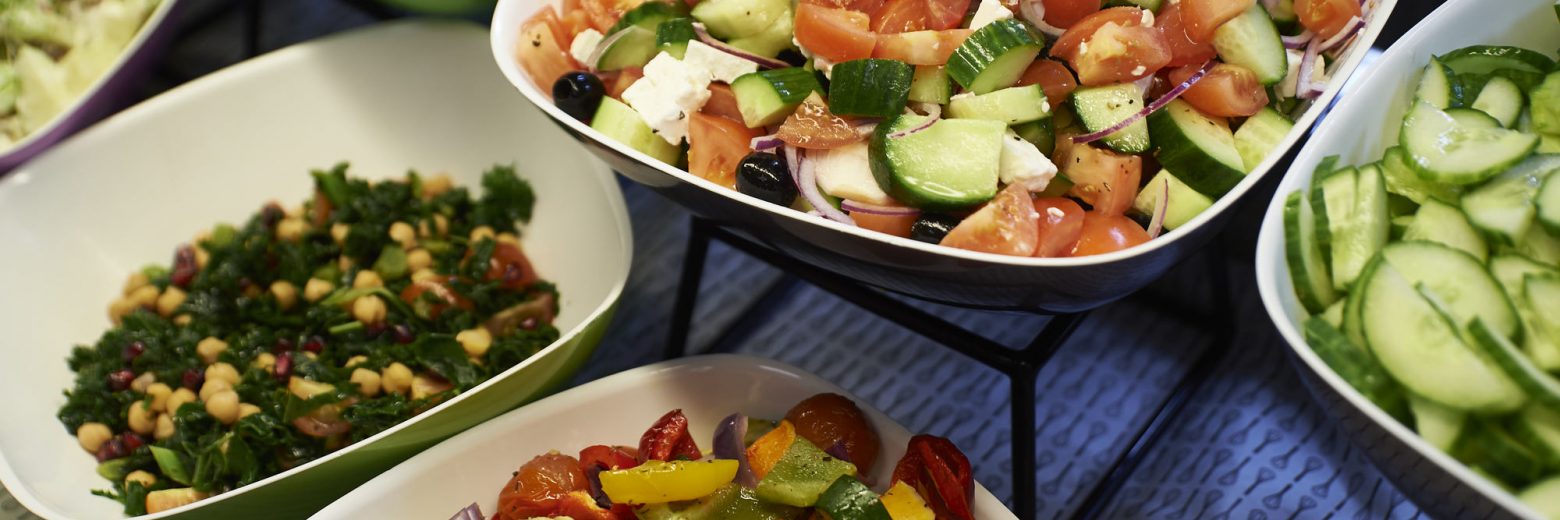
1271,247
152,24
245,71
509,11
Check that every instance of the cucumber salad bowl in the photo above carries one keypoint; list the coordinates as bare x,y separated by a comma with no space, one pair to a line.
977,152
1412,262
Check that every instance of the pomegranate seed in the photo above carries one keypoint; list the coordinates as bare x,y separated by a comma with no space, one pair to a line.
374,330
284,365
402,334
133,351
271,214
120,379
131,441
283,346
184,267
192,379
314,344
111,449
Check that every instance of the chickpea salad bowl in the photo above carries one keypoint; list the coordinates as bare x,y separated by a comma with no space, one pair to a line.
251,324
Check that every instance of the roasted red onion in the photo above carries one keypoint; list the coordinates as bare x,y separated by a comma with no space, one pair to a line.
471,512
728,445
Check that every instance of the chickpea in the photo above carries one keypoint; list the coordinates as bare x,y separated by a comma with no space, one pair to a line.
396,378
476,341
291,229
142,419
165,427
285,292
170,301
159,393
481,232
180,398
317,289
212,387
136,280
367,381
265,361
92,435
367,279
146,479
246,410
419,259
355,361
210,348
344,263
436,185
403,233
508,238
183,320
441,225
424,386
306,389
145,297
119,309
223,406
312,356
224,372
422,275
142,382
338,232
202,257
369,309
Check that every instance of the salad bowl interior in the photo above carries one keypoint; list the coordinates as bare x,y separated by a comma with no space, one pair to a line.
1358,130
928,271
123,194
474,465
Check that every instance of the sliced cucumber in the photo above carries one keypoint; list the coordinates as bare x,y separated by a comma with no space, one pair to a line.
672,36
1443,223
1539,245
1313,284
1185,202
1543,496
1199,149
918,168
1543,298
1541,387
1355,365
1251,41
1438,425
762,27
767,97
1501,99
1490,446
1436,85
1260,135
1542,346
1545,102
633,49
623,124
1012,105
870,87
1474,119
1354,303
1334,315
931,85
1458,278
1425,353
1403,180
1356,209
1538,428
1101,107
1324,168
993,57
1504,206
1523,66
1442,150
648,15
1547,201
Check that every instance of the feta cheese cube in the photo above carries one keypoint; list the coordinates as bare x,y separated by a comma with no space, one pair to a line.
989,11
844,172
584,46
721,65
670,91
1023,164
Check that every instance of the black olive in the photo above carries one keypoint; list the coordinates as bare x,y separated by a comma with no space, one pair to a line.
793,57
932,227
764,175
578,94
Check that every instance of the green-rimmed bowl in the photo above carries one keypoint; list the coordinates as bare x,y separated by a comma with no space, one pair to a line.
424,95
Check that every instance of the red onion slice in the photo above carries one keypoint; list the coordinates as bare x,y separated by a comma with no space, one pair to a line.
471,512
1151,108
1160,208
728,445
1304,87
877,209
808,184
1297,41
933,114
601,48
793,163
1353,26
768,63
765,143
1034,13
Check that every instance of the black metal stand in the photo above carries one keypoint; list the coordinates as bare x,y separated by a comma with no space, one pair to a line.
1022,366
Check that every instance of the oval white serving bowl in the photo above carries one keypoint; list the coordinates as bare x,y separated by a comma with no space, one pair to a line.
1358,130
419,95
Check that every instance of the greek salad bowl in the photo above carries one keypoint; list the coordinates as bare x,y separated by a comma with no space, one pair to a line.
124,193
1428,435
921,268
473,466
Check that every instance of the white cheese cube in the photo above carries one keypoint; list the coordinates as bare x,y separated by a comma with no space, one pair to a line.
845,173
989,11
584,46
1023,164
670,91
722,65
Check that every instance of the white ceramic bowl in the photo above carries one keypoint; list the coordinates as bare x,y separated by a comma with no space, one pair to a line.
932,272
473,466
81,217
1358,130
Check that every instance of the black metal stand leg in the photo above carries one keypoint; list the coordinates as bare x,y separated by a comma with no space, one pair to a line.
688,288
1021,384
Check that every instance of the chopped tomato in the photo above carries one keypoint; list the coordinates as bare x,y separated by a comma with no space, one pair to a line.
715,146
574,22
897,225
510,267
1065,13
1104,179
860,6
1061,220
624,79
604,13
442,298
898,16
542,50
812,126
1183,49
920,47
1008,225
1113,46
835,34
1326,17
1202,17
1053,78
723,103
1104,233
1224,91
540,486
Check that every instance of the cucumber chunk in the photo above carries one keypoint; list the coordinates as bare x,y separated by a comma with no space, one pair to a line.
1543,295
1501,99
1490,446
1442,150
1313,284
1260,135
648,15
1436,85
762,27
1538,428
1445,224
1040,134
623,124
1438,425
870,87
1012,106
672,36
1459,279
931,85
1185,202
1198,148
634,48
1355,365
1503,207
921,168
1101,107
993,57
1251,41
767,97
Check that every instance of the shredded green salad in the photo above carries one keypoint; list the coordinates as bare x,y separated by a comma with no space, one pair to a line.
267,345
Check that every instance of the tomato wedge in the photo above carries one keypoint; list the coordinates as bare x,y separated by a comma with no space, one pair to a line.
723,103
835,34
1061,221
1183,49
1202,17
1107,233
1326,17
1113,46
920,47
1224,91
860,6
897,225
715,146
1066,13
897,16
1008,225
1104,179
812,126
542,49
1053,78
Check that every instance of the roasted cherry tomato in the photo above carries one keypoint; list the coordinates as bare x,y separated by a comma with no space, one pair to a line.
608,457
540,486
1061,221
442,298
940,473
829,419
579,505
509,266
668,439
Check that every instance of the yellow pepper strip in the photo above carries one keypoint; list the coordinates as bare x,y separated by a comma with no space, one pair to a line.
656,481
903,503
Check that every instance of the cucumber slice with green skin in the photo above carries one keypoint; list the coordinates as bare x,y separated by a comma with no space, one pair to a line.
1185,202
1199,149
1040,134
1539,245
648,15
1445,224
1442,150
1545,104
870,87
1542,346
1260,135
1492,447
1501,99
1543,496
1356,208
633,49
1548,201
1538,428
1313,284
767,97
1332,201
1543,294
1012,106
1147,5
1251,41
1523,66
1460,280
623,124
1540,386
993,57
1355,365
1403,180
923,169
672,36
1353,305
762,27
1503,207
1425,352
1324,168
1437,85
931,85
1334,315
1438,425
1471,118
1101,107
